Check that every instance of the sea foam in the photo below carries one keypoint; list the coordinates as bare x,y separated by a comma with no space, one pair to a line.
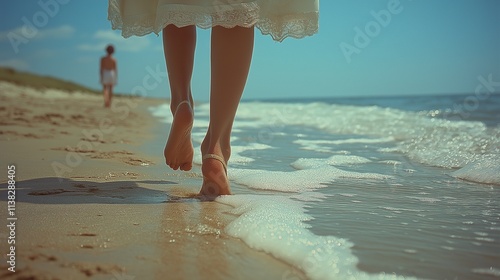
486,170
312,174
275,224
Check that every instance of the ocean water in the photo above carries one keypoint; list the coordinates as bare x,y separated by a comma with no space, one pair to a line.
362,188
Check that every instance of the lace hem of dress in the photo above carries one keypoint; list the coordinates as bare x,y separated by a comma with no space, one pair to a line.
243,14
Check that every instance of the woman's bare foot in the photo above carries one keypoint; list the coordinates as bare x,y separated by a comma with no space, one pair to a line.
215,181
179,148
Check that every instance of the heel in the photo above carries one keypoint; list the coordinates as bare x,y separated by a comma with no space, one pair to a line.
218,158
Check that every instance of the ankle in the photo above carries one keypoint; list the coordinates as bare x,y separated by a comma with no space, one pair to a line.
216,149
176,101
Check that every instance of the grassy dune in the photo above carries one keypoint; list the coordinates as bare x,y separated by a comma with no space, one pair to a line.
41,82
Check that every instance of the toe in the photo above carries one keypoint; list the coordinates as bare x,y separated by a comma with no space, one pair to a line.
175,166
186,167
171,165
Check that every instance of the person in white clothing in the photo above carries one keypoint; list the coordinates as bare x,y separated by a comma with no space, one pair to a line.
108,74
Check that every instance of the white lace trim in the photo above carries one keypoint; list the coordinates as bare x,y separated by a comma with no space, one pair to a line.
242,14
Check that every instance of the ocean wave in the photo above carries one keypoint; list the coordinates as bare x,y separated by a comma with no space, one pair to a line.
432,141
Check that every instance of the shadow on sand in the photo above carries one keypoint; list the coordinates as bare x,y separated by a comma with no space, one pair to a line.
54,190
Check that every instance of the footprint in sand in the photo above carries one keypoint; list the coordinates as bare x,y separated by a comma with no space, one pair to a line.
137,161
39,257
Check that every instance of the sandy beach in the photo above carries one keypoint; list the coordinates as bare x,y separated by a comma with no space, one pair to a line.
93,200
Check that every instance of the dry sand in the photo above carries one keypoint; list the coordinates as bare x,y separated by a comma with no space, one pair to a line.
94,202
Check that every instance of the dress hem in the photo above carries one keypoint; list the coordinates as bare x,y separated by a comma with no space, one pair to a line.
244,14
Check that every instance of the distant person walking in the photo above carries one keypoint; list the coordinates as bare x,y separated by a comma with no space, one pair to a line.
232,23
108,73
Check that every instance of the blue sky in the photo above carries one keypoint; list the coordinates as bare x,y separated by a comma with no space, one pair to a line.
427,47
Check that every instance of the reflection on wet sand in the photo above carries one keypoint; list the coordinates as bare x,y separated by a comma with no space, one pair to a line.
193,242
195,245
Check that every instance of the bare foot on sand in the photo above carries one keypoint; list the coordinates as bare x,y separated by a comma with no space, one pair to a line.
215,180
179,149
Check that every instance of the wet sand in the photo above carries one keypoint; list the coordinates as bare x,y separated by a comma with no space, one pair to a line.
94,202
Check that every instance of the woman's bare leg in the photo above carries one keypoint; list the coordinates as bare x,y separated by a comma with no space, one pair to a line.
110,95
179,46
231,57
105,89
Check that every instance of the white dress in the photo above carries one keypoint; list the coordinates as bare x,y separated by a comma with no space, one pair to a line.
279,18
108,77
